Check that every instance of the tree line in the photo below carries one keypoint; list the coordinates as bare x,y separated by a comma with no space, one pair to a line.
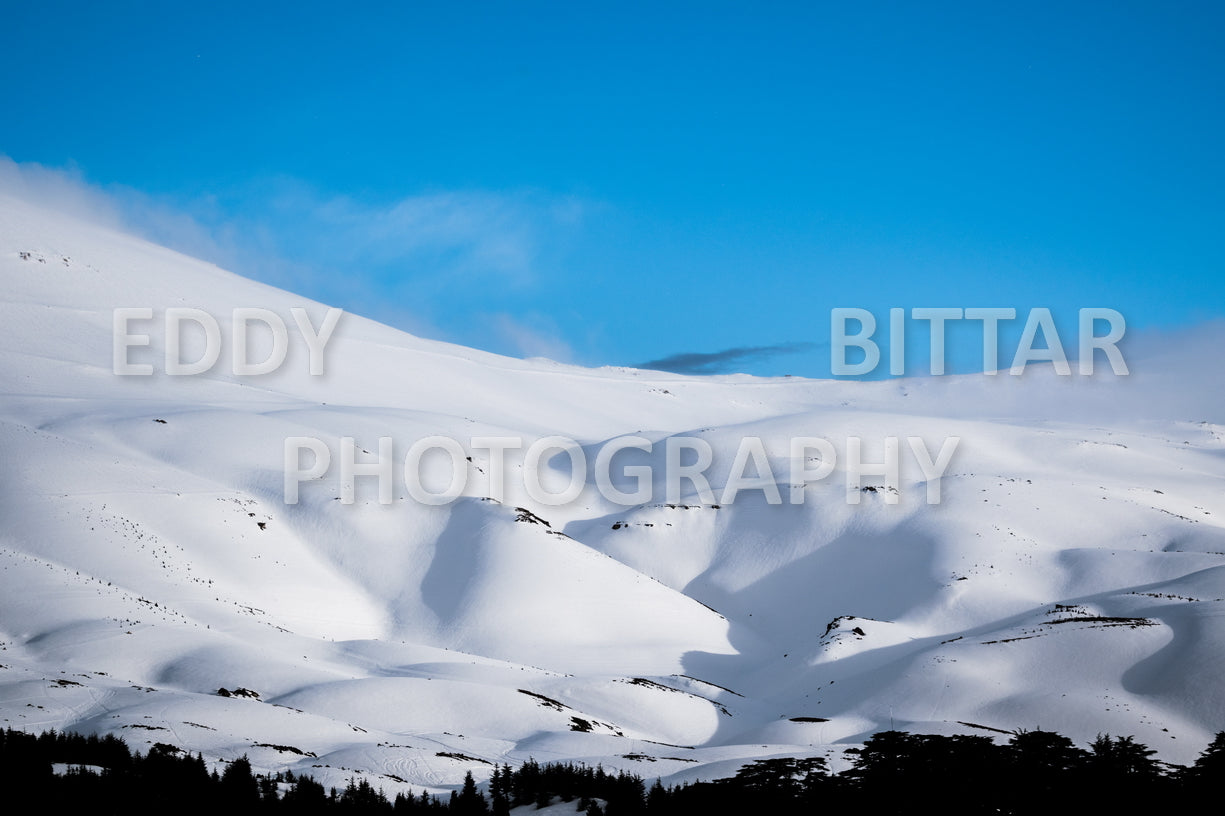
894,772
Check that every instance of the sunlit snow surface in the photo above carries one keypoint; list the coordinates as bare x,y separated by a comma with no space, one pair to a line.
1072,578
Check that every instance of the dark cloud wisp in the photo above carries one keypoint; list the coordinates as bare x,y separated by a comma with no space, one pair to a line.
721,362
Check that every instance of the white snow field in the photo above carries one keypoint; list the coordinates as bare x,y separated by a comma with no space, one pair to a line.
1072,578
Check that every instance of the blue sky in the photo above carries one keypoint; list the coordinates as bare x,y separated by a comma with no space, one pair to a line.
625,183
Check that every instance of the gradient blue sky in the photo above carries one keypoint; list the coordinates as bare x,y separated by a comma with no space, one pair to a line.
620,183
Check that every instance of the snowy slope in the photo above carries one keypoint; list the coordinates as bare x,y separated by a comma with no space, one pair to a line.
1072,578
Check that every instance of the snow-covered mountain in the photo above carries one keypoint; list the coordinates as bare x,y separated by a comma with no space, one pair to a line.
1072,577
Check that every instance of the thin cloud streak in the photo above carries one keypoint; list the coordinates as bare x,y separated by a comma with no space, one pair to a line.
720,362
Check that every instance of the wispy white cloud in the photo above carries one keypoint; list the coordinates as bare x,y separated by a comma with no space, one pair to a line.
464,235
532,335
62,189
406,261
